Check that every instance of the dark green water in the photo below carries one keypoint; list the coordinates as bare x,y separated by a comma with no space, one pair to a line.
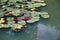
42,30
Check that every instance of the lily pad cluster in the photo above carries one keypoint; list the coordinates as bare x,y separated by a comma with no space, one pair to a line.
17,13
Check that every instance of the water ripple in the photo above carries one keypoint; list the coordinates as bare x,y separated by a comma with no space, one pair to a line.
47,33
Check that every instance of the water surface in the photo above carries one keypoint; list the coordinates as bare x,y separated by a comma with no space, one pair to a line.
42,30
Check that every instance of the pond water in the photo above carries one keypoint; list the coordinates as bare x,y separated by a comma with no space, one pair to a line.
42,30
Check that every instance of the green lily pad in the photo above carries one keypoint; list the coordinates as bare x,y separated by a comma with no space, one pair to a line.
36,5
21,22
22,10
17,26
34,19
16,12
30,5
9,9
10,19
35,14
4,26
43,4
42,1
36,0
17,5
30,21
15,0
3,1
14,25
1,25
44,15
1,14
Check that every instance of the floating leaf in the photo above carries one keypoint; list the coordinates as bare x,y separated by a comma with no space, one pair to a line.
16,12
44,14
3,1
17,5
9,9
1,14
36,5
36,0
4,26
30,5
34,19
35,14
18,26
30,21
43,4
21,22
15,0
14,25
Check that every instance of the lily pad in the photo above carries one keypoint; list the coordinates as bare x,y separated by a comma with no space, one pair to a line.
14,25
21,22
30,5
16,12
42,1
1,14
4,26
17,5
36,5
18,26
44,15
30,21
36,0
1,25
3,1
15,0
43,4
35,14
34,19
9,9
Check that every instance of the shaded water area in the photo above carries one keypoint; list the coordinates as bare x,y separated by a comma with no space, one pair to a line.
42,30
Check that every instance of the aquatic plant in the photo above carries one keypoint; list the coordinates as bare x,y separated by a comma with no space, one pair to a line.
20,12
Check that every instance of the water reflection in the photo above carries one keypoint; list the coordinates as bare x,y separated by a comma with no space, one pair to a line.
28,34
47,32
9,32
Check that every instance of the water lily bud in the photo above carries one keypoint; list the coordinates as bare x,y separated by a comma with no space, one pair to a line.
15,19
26,18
